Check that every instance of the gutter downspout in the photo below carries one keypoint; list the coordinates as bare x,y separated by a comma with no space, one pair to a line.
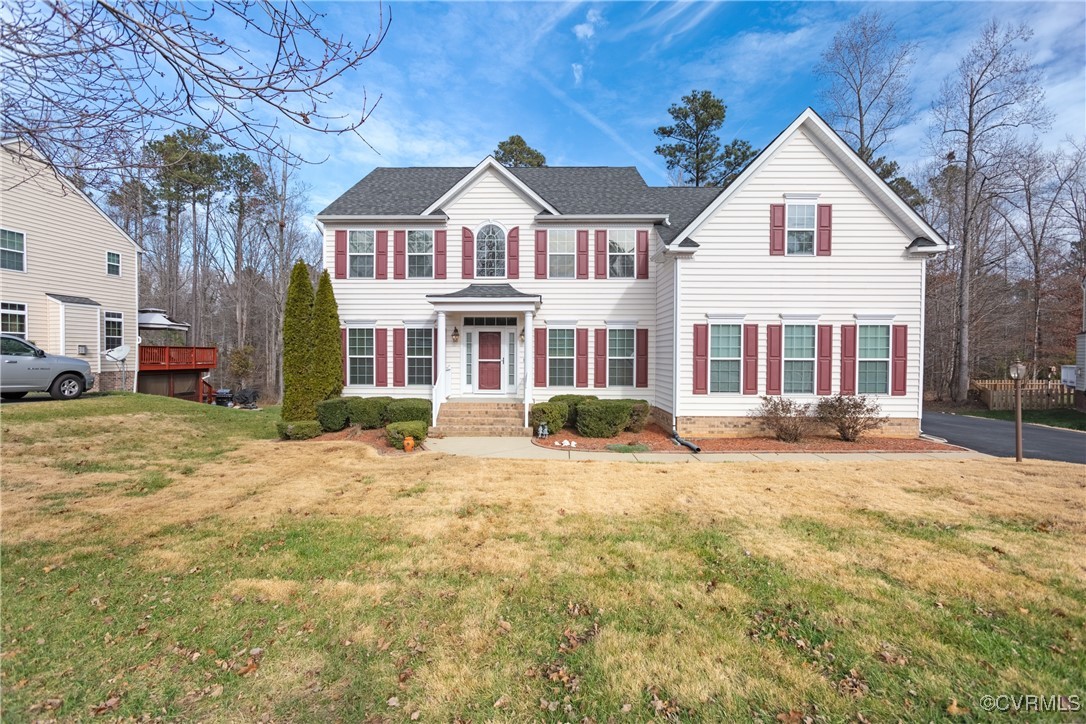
676,335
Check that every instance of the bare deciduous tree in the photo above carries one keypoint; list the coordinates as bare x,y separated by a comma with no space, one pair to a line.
82,79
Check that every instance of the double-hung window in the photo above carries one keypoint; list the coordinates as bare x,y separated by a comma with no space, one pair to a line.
621,245
420,254
114,330
620,357
562,253
799,359
560,357
12,250
360,356
801,229
873,368
490,252
113,264
725,354
360,252
13,319
420,356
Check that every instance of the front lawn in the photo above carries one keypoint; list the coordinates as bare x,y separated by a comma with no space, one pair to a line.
1062,417
170,559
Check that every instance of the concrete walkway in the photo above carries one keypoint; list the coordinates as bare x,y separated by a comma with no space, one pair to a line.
522,448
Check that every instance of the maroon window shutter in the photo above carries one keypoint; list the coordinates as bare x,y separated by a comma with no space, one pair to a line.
642,254
541,358
381,261
341,254
824,377
380,376
467,263
399,357
773,359
701,359
776,229
900,359
582,357
601,358
399,254
440,255
848,359
641,377
825,228
750,359
601,253
541,254
582,253
343,348
512,254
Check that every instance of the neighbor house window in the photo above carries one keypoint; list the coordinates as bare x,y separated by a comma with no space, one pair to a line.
420,254
621,244
113,264
799,359
725,353
801,229
490,252
360,357
560,357
562,253
873,368
420,356
13,319
114,330
360,251
12,250
620,357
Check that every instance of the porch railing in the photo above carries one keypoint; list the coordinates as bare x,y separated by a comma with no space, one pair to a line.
178,358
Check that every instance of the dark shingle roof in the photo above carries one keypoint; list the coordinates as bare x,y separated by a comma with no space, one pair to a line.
571,190
485,291
69,299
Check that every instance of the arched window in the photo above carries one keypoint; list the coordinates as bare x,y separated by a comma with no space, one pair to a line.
490,252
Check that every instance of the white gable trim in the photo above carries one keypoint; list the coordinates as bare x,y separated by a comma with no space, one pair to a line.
68,184
488,163
827,140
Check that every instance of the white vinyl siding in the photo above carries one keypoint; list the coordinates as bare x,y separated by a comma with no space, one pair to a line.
13,319
562,253
560,357
801,229
360,357
621,247
420,356
873,365
420,254
361,248
725,357
620,357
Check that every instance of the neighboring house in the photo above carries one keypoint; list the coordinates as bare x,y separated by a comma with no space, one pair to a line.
69,276
805,277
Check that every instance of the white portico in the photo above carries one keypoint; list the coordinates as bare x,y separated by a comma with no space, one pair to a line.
488,354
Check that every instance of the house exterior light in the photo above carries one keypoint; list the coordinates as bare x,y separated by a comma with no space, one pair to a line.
456,335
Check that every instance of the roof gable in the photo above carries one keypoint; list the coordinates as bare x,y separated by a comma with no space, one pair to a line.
841,154
491,165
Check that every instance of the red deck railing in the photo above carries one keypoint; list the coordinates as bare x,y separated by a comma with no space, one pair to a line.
178,358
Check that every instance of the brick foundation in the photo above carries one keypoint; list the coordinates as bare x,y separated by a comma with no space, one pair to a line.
108,381
695,427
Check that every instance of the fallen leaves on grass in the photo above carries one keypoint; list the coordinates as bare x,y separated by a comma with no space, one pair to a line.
954,710
853,684
106,706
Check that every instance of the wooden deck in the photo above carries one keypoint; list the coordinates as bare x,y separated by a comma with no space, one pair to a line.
167,359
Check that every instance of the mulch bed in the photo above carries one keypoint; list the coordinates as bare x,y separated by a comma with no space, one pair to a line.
374,438
658,440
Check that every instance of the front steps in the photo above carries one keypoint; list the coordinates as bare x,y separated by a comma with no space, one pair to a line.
481,419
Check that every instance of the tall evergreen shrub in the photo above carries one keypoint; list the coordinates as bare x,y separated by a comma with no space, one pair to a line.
327,342
299,393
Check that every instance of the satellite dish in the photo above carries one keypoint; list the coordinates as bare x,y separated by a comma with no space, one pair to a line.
118,354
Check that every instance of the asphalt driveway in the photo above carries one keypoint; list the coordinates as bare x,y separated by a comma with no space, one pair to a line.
996,437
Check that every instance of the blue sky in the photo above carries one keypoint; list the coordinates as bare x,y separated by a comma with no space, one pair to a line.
586,83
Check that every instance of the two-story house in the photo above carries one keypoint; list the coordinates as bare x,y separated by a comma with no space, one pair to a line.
69,276
804,277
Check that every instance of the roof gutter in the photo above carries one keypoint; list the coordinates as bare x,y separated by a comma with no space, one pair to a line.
664,219
382,218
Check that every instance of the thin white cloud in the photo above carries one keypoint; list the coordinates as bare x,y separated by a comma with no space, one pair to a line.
578,74
587,30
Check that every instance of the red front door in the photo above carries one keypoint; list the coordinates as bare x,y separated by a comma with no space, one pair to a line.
490,360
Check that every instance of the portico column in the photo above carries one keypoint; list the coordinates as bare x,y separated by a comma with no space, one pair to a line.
439,382
529,363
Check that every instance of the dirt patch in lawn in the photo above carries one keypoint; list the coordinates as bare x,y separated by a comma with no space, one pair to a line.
655,439
376,439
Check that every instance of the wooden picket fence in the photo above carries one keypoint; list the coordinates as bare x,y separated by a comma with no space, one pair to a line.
1036,394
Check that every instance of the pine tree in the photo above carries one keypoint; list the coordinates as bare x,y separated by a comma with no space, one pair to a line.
327,360
299,397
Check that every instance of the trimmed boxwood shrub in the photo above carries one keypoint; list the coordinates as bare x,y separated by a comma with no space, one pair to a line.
395,432
298,430
573,401
602,418
639,414
553,413
332,414
369,413
412,408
